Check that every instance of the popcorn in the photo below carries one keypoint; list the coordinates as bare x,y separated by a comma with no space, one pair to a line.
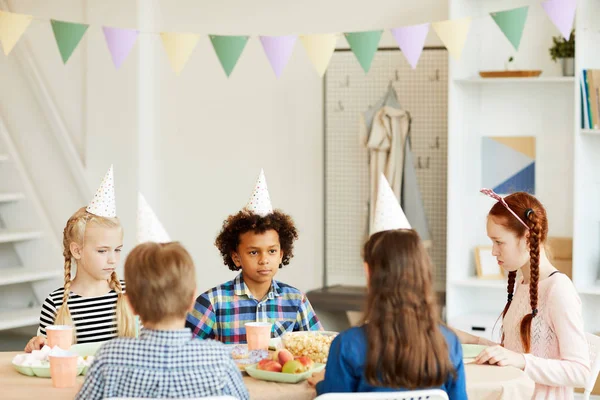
315,345
39,358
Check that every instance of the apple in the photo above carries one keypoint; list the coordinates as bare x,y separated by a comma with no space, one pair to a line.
284,356
306,362
269,365
293,367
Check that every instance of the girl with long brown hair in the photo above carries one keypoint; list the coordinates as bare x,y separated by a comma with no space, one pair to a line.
402,344
542,324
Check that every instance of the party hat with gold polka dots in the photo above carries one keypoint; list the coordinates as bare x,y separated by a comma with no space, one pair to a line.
388,213
260,202
149,226
103,204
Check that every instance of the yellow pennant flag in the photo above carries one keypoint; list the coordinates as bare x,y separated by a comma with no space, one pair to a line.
12,26
179,48
320,48
453,33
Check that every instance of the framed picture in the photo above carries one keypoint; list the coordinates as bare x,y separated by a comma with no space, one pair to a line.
486,264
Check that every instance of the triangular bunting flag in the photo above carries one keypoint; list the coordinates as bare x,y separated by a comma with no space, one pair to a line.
119,42
388,213
511,23
150,229
453,33
364,46
278,50
260,201
179,48
67,35
103,204
320,48
228,49
12,27
562,14
411,40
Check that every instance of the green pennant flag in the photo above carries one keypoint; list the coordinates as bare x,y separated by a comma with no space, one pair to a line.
228,49
67,35
364,45
512,23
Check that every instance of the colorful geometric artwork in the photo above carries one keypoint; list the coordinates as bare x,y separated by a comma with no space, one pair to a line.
508,164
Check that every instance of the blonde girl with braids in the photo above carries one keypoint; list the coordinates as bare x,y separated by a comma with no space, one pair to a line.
542,323
93,302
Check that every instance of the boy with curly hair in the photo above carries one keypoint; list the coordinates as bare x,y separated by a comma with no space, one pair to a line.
258,241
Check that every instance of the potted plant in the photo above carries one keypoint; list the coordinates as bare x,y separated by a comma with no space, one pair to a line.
565,51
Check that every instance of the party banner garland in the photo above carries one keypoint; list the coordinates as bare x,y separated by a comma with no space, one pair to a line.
278,49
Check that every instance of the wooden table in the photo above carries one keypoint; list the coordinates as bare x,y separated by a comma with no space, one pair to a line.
483,382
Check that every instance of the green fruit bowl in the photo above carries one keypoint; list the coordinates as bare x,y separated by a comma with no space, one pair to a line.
43,371
280,376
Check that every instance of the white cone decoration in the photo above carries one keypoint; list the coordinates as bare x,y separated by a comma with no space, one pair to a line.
149,227
260,202
388,213
103,204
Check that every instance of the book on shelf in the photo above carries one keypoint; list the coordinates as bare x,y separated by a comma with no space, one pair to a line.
590,98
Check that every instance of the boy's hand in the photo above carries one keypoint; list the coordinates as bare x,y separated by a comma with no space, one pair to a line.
36,343
316,378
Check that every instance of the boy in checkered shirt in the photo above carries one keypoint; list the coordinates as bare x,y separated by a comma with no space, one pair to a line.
258,241
165,361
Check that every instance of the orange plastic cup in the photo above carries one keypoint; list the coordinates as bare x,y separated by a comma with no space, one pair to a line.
63,370
258,335
60,335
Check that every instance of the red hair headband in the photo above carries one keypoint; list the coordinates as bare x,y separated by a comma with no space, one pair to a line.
493,195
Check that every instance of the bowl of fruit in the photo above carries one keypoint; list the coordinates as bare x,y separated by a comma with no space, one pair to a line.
284,367
312,344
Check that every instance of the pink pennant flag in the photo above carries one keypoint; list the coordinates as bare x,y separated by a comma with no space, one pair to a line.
497,197
120,42
562,14
411,40
278,50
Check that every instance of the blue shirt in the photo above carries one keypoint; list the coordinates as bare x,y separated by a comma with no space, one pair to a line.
162,364
222,312
345,370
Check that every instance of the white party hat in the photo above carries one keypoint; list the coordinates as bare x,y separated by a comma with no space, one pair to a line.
260,202
149,228
103,204
388,213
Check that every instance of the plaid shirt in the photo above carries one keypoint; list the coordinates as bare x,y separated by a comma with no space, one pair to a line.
162,364
221,312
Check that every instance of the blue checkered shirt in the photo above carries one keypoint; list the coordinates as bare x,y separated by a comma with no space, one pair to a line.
162,364
222,312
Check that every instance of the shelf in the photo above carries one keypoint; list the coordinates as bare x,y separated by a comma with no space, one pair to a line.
11,237
19,318
590,132
481,283
500,81
12,275
10,197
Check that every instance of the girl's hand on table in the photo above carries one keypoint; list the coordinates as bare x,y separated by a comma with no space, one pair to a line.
500,356
36,343
316,378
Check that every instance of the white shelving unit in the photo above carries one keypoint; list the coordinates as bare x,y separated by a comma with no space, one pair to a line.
542,80
567,158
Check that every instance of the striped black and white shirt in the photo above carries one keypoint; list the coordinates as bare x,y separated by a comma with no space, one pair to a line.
95,318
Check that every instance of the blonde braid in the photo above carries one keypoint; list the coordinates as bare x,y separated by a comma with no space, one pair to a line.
63,316
125,319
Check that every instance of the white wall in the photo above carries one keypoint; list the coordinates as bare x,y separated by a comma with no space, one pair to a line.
205,137
195,143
